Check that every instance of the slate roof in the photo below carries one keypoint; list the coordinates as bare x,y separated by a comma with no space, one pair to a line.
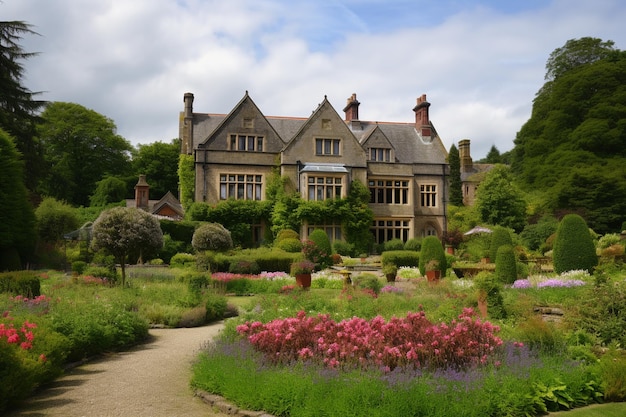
409,147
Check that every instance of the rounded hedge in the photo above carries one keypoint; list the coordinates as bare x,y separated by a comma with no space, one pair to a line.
212,236
573,246
290,245
432,249
286,234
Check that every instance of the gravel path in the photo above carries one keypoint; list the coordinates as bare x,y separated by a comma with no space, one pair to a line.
151,380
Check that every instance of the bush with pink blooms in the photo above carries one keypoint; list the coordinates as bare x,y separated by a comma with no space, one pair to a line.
409,341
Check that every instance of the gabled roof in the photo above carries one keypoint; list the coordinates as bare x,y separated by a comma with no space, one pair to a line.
168,200
221,122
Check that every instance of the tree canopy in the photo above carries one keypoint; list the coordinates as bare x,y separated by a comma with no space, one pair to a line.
499,201
18,108
81,147
158,161
574,139
121,231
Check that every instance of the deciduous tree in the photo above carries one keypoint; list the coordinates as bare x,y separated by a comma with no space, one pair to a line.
121,231
81,147
499,201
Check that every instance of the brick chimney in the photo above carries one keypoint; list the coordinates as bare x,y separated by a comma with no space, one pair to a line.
422,121
186,125
465,156
141,193
352,112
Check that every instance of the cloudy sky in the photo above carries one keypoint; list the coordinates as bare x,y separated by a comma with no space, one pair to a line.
480,62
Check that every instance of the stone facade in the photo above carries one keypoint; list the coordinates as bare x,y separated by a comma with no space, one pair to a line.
404,165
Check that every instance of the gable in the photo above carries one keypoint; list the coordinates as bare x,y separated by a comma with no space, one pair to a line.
244,123
324,138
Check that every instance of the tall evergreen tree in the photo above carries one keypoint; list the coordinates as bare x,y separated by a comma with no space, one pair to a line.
17,218
493,156
18,108
456,186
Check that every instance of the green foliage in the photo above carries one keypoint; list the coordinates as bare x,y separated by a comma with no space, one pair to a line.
211,236
573,247
499,236
577,52
490,287
400,258
78,267
499,201
244,267
158,162
367,281
80,148
393,244
343,248
535,235
506,266
186,180
609,240
182,260
358,217
108,273
493,156
25,283
108,190
123,230
613,371
456,185
17,219
602,311
19,110
597,195
289,245
235,215
324,248
286,234
179,230
413,244
432,250
54,219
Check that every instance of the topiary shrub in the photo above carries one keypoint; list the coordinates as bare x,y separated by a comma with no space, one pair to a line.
212,236
289,244
317,249
490,288
183,260
78,267
400,258
500,236
573,246
367,281
394,244
343,248
24,283
432,250
506,265
286,234
414,244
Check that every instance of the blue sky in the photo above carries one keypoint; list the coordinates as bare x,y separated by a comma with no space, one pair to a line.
479,62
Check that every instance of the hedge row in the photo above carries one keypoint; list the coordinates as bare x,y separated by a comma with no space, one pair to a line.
400,258
24,283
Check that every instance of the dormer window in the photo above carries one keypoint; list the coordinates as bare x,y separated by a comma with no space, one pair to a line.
327,147
380,154
250,143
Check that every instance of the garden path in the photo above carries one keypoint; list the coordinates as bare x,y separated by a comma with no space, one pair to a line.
150,380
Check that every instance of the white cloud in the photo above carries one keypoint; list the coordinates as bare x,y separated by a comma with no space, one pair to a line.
480,65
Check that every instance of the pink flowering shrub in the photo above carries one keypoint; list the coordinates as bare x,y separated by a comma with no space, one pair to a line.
409,341
22,336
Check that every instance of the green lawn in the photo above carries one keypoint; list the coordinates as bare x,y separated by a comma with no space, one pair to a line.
600,410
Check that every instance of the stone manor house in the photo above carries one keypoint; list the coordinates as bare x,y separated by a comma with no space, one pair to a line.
404,165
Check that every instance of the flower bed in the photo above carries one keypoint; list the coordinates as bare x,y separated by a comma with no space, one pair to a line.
565,280
410,341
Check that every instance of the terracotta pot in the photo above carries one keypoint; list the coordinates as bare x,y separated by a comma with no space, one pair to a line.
450,250
433,275
303,280
482,304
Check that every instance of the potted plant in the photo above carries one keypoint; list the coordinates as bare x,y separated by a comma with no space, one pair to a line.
302,270
390,271
432,270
